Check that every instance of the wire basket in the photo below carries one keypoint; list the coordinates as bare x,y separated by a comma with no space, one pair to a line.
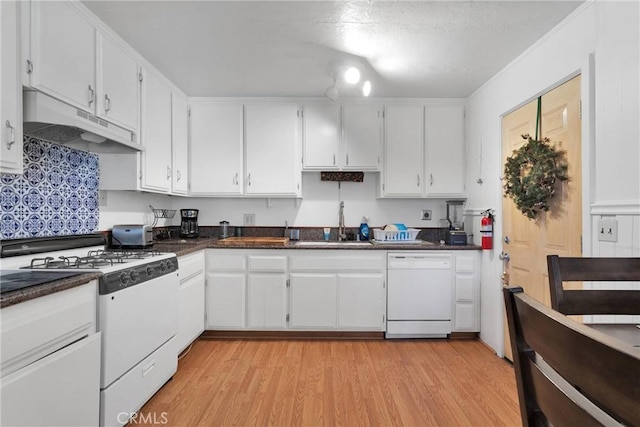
395,235
161,214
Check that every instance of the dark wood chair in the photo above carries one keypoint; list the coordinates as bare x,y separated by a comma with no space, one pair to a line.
568,374
596,301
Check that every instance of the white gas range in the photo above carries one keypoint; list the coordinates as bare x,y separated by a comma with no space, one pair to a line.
137,314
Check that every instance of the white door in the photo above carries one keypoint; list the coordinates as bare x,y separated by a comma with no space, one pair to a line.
313,300
226,300
361,302
179,143
272,147
267,300
118,84
63,48
156,134
10,92
419,294
403,172
361,137
321,137
445,150
216,145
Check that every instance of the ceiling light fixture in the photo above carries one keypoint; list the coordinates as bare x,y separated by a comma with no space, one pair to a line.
366,88
352,75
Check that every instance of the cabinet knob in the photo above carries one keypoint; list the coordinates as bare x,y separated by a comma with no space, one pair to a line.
178,176
347,159
430,179
249,180
12,130
418,180
168,172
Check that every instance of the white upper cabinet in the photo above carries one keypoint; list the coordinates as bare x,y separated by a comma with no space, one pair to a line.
445,150
179,144
63,53
118,84
403,171
216,149
361,137
156,166
272,150
10,91
321,150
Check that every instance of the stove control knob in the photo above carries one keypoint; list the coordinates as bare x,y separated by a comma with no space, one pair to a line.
163,266
124,279
149,271
134,276
169,265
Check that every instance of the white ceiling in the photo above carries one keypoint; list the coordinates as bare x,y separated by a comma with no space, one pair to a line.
290,48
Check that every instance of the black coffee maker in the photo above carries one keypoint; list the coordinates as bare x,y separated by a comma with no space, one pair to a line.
189,224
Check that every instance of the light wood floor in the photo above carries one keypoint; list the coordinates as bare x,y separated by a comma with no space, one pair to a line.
346,383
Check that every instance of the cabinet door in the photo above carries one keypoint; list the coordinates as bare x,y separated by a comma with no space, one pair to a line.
215,149
190,311
156,134
226,300
63,45
467,299
60,389
445,150
361,137
273,140
10,92
403,151
118,84
361,301
321,137
179,144
267,300
313,300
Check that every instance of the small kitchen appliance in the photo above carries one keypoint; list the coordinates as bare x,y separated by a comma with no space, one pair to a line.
455,217
131,236
189,223
223,230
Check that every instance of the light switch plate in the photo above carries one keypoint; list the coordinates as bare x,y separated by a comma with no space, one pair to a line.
608,230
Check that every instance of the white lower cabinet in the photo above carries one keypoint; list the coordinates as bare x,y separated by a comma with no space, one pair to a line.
466,309
338,290
313,300
267,302
226,300
50,360
191,309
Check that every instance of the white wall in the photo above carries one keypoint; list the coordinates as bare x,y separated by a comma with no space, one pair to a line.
600,40
318,206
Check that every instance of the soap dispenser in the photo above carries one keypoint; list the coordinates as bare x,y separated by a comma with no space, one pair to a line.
364,229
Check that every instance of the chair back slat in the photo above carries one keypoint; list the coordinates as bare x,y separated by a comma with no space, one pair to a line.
594,366
600,301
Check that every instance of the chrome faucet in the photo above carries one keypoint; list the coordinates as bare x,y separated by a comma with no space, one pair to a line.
341,234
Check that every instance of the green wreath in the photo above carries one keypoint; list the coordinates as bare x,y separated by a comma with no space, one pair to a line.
530,175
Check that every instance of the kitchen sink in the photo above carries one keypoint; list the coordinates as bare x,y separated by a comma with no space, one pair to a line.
333,243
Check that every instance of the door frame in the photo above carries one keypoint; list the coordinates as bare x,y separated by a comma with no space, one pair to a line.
587,94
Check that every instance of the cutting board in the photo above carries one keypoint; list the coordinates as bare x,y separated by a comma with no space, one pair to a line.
254,241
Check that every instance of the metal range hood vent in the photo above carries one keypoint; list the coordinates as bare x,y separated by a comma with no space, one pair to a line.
52,120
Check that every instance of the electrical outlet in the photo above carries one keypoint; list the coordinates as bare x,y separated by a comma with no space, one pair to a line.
608,230
425,215
102,198
249,219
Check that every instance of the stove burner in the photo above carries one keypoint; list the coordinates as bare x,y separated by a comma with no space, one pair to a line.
93,260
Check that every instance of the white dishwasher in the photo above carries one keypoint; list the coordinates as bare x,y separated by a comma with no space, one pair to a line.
419,295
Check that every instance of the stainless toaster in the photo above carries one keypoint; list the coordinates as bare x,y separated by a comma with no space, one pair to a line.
131,236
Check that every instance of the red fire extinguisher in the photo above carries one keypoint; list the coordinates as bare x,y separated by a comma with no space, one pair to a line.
486,229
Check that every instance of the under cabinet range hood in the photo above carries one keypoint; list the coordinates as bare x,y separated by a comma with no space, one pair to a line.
55,121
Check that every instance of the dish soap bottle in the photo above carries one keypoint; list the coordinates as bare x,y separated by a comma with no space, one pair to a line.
364,229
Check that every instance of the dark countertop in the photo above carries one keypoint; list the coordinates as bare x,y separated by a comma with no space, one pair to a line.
14,297
183,247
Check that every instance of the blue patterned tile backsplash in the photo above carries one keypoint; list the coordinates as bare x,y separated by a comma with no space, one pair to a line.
56,196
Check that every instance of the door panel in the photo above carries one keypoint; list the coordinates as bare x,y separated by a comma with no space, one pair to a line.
559,230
